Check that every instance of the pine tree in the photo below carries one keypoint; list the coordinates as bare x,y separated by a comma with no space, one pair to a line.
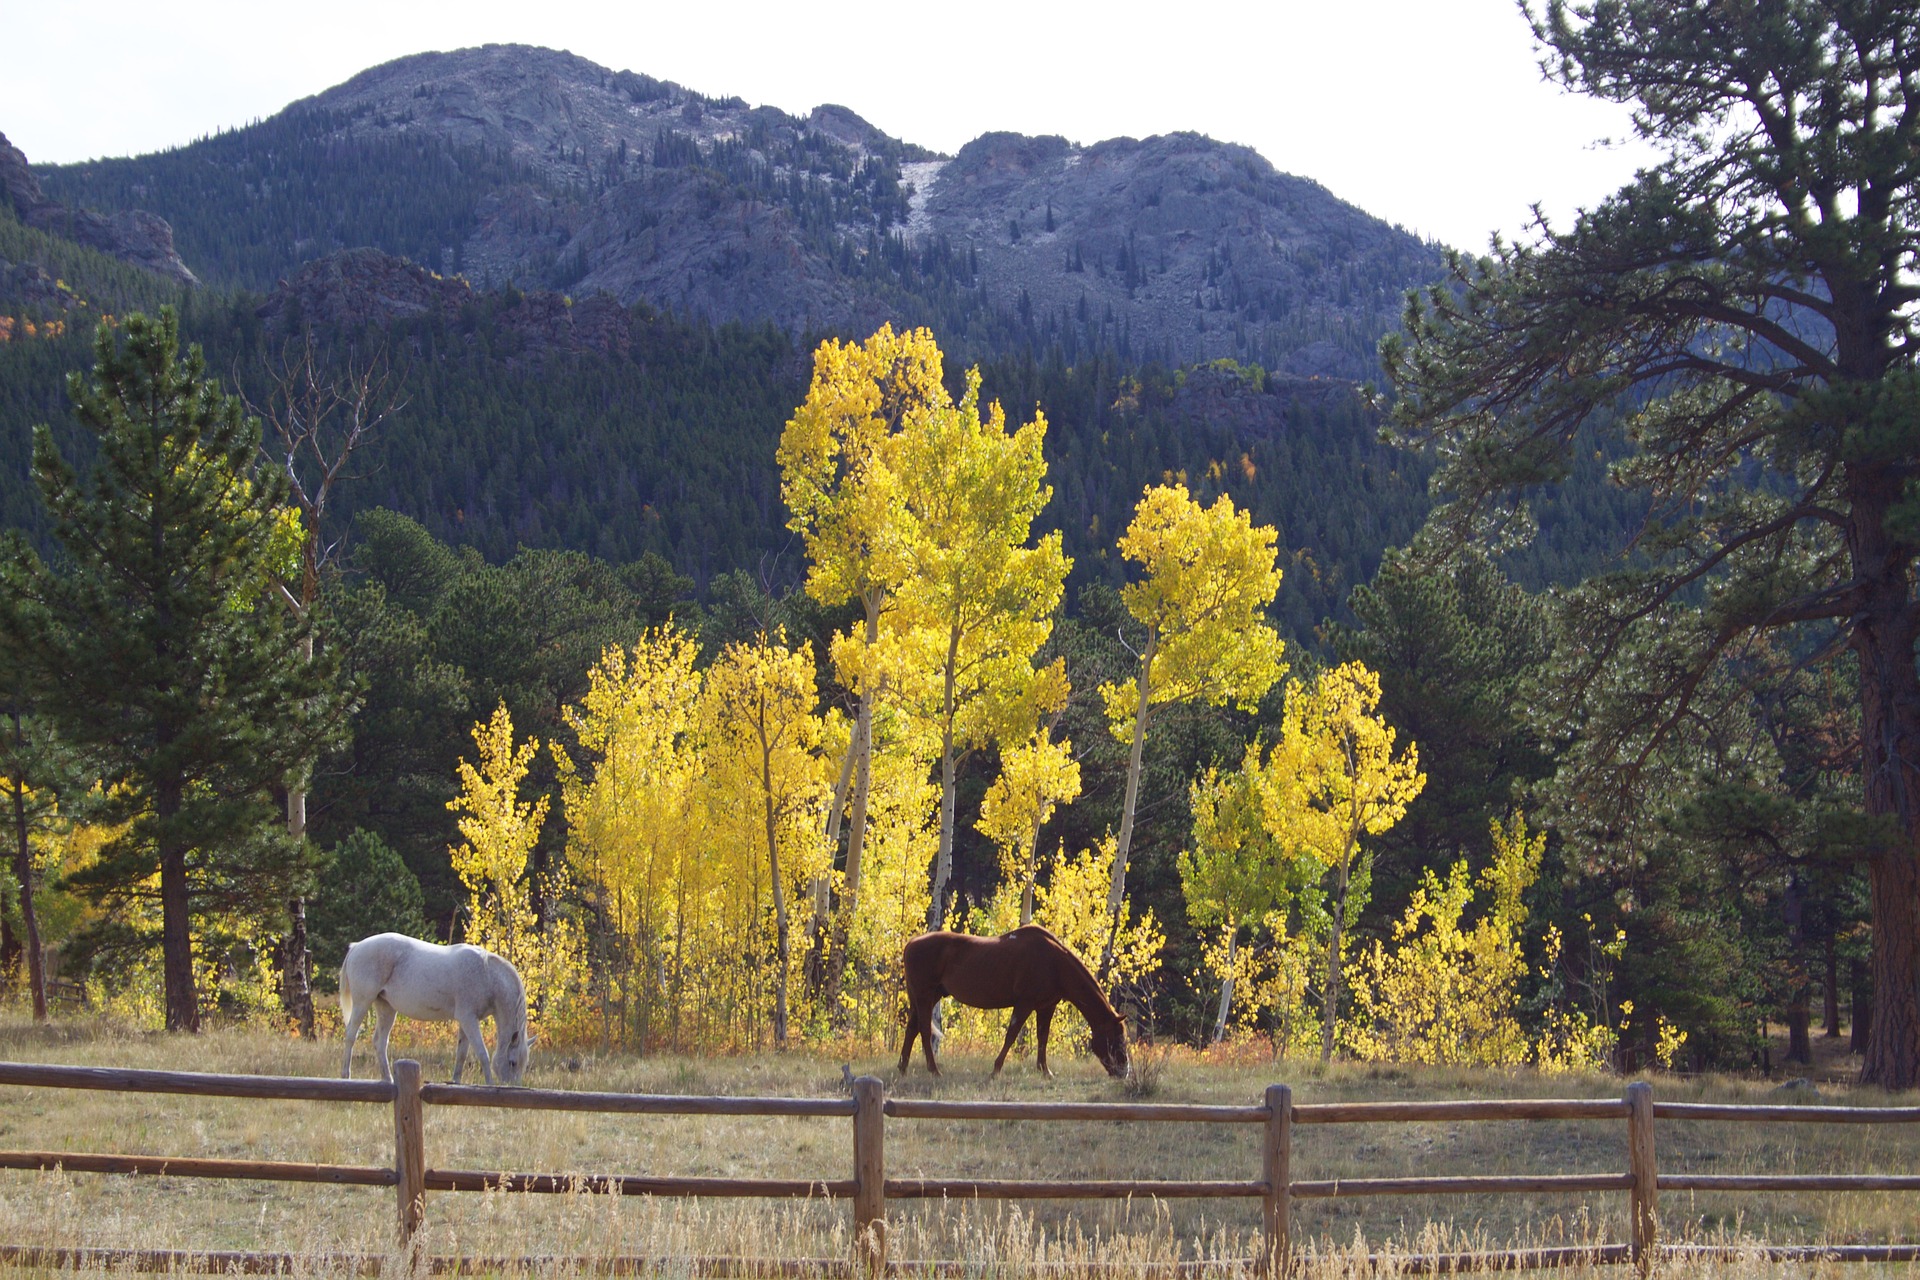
1737,326
160,653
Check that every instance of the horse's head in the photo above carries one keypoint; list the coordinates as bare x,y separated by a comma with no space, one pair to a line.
510,1062
1110,1046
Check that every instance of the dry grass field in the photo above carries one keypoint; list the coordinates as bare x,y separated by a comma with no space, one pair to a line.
171,1212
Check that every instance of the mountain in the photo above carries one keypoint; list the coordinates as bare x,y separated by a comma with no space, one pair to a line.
515,165
599,291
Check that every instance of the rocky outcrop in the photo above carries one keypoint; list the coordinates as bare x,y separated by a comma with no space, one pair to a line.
697,246
1223,396
362,288
132,235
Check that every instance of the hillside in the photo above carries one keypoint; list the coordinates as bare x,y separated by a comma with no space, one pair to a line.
517,165
534,420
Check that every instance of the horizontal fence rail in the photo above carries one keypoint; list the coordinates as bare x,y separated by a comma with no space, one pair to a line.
869,1187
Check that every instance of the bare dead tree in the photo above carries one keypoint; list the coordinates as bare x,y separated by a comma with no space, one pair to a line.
318,412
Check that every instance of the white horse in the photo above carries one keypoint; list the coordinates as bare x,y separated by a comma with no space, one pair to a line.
395,974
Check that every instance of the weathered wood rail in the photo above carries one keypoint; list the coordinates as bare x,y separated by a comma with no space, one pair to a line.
869,1187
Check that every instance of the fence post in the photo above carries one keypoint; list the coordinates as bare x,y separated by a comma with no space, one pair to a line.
1276,1170
409,1149
1646,1184
869,1176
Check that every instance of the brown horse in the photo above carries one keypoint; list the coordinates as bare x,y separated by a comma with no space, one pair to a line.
1028,970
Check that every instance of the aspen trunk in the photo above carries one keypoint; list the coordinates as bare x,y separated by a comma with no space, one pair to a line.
943,861
1026,888
1330,989
857,819
781,949
1226,985
822,930
296,960
1117,890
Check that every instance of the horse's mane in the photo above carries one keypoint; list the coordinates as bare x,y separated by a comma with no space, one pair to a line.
1079,966
510,988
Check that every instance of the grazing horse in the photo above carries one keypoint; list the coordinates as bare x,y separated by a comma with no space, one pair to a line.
1028,970
394,974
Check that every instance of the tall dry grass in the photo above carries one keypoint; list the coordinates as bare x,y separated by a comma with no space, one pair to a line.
315,1221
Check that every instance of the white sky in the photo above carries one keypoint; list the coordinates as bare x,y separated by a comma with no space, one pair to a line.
1429,113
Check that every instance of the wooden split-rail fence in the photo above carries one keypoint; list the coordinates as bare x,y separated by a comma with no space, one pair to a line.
869,1188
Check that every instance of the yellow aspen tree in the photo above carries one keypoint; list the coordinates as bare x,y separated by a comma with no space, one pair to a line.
838,481
1332,778
1035,777
760,728
981,600
633,818
1237,874
1448,993
1207,577
499,831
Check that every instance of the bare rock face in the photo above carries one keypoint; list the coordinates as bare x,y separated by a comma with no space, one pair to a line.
17,183
1187,242
133,235
696,246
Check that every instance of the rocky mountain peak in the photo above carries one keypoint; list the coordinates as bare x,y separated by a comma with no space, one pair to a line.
539,168
564,116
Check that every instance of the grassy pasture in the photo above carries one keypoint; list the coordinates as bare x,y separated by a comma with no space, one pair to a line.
169,1212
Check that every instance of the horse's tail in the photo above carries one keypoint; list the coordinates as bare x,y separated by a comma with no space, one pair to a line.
346,989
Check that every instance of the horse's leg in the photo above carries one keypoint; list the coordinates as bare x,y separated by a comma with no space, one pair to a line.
354,1019
906,1047
382,1029
926,1037
470,1027
1014,1024
1042,1023
459,1054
